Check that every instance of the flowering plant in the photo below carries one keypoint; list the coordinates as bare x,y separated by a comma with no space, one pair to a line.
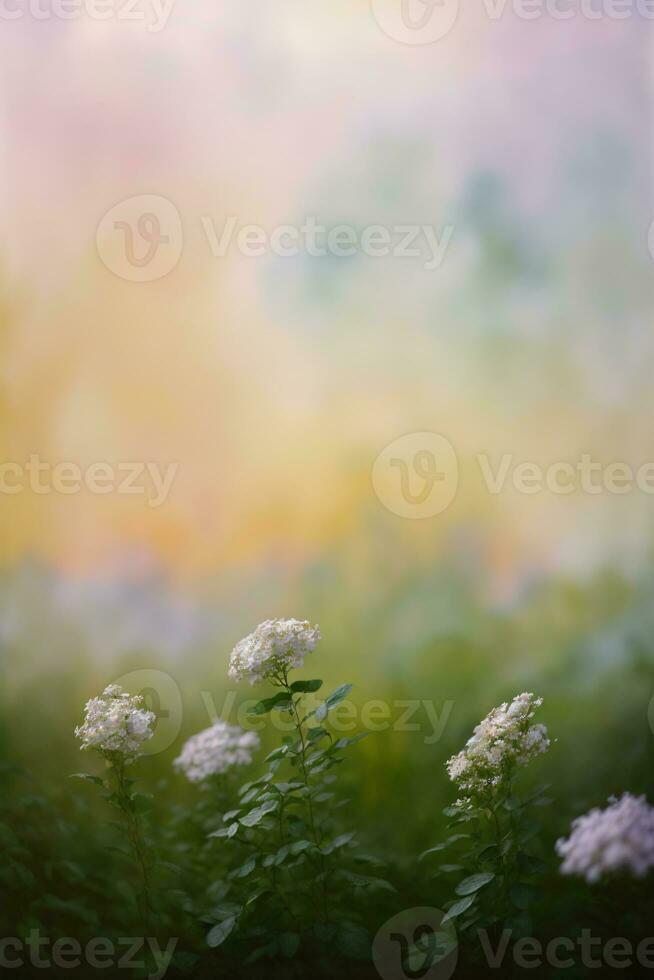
116,725
215,751
275,647
603,843
296,874
499,874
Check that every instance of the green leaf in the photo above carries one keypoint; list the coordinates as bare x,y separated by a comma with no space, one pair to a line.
246,868
342,743
458,908
219,933
87,777
298,846
338,695
282,701
230,831
474,882
291,787
289,943
441,847
367,881
255,816
339,841
315,734
250,795
305,687
281,855
225,910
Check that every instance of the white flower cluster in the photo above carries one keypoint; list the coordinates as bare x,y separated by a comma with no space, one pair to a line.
116,723
619,838
273,648
505,738
215,750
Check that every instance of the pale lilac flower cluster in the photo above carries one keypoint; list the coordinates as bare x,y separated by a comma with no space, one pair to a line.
275,647
504,739
216,750
618,838
116,724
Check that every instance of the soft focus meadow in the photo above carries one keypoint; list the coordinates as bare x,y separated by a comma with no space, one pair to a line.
266,386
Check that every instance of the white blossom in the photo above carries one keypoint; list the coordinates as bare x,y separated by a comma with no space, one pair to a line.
618,838
275,647
504,739
216,750
115,723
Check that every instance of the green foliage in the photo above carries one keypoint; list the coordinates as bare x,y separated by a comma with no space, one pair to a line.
294,879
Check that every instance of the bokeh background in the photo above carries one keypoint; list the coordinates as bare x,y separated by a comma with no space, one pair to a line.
275,382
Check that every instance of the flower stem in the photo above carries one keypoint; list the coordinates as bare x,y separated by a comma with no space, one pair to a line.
133,834
317,839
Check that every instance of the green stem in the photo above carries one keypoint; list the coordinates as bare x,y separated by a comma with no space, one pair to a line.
305,775
134,837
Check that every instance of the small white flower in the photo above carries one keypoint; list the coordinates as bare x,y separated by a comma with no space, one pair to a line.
216,750
275,647
505,738
618,838
116,724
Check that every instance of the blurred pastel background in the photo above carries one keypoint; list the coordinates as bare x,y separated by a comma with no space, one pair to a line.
275,382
